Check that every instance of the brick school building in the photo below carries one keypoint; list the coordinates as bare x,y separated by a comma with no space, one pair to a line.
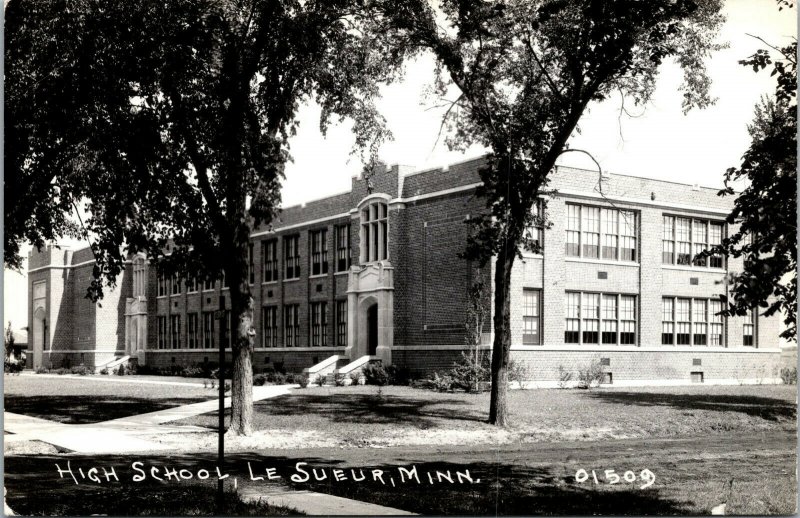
374,273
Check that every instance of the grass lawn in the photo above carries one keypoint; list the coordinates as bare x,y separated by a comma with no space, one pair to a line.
362,416
138,500
86,400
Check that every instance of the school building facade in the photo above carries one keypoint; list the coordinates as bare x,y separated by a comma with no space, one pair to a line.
374,273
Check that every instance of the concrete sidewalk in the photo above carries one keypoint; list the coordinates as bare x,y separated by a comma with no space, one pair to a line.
120,435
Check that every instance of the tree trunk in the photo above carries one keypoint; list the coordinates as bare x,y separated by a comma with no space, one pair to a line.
501,349
242,350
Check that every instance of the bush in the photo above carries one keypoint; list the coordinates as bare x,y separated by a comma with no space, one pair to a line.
789,376
442,383
518,371
469,372
564,377
356,378
280,378
375,374
590,375
104,371
121,369
259,380
12,366
227,386
398,375
292,378
339,378
192,372
303,381
319,380
81,370
42,370
61,371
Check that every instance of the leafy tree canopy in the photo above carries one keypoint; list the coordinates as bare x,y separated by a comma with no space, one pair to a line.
523,73
767,207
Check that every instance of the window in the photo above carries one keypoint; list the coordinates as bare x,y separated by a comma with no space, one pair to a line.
192,328
162,332
683,239
342,248
269,325
600,318
374,232
319,324
269,254
319,252
596,233
191,284
251,267
208,330
749,328
536,230
176,285
175,331
531,317
228,329
691,321
162,284
291,325
291,254
139,279
208,285
341,322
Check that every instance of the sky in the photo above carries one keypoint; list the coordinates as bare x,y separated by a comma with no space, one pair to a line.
662,143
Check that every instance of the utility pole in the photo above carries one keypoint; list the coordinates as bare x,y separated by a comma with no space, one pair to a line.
223,324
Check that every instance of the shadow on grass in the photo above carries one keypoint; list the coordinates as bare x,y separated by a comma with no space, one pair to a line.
373,409
504,488
770,409
89,409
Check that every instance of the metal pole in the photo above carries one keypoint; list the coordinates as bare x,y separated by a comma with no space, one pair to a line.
221,431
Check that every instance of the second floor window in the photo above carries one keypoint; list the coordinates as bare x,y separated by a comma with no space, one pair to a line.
162,332
269,326
162,284
319,324
684,239
291,255
374,232
139,279
319,252
342,248
599,233
176,285
291,328
269,254
749,329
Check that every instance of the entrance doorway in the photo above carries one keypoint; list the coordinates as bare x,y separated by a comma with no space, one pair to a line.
372,330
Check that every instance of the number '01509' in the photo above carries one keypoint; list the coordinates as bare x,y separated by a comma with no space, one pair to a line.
610,477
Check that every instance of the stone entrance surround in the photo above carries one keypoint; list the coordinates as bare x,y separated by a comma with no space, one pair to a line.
366,286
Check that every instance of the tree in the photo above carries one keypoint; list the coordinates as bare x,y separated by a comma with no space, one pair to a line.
767,208
9,339
523,73
179,118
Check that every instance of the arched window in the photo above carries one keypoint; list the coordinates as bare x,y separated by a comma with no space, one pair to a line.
374,232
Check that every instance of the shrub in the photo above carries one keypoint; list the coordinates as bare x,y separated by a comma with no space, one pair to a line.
442,383
81,370
104,371
398,375
339,379
789,376
121,369
12,366
468,372
356,378
259,380
42,370
227,386
192,372
303,381
292,378
375,374
319,380
61,371
280,378
518,371
590,375
564,377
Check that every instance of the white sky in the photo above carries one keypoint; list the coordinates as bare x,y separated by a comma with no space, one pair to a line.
662,144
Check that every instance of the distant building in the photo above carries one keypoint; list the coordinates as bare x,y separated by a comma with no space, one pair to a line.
376,272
